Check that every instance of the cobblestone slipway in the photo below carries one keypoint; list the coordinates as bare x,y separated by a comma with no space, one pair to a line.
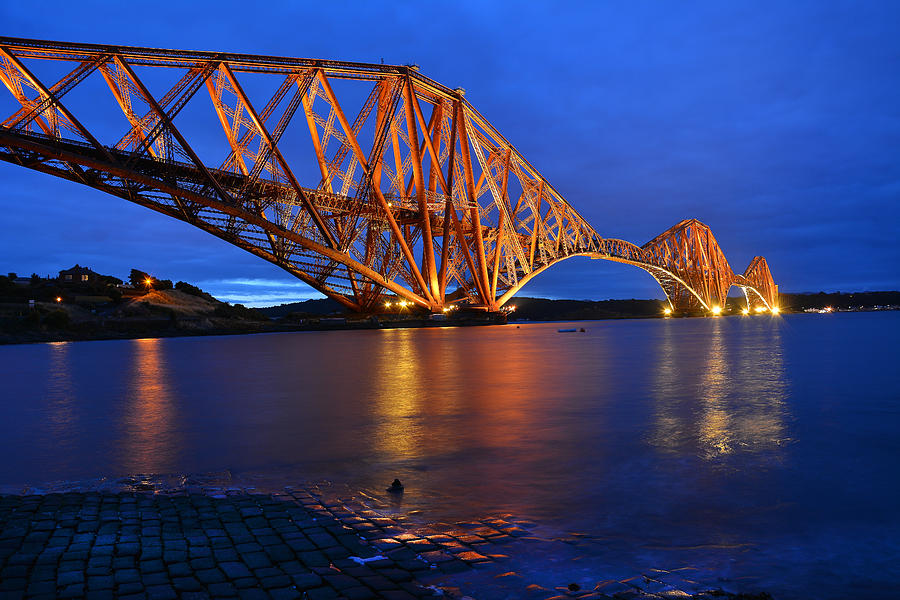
226,543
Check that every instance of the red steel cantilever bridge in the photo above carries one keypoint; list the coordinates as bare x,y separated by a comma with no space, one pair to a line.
412,193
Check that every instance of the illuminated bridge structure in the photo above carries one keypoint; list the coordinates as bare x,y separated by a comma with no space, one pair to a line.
411,194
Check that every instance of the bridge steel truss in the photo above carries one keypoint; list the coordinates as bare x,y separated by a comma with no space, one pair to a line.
412,194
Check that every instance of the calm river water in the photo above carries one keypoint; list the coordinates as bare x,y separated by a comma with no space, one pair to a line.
762,450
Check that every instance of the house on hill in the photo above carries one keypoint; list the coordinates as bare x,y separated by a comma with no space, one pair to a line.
78,274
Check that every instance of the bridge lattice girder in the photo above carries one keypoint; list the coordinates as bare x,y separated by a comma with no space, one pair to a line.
413,193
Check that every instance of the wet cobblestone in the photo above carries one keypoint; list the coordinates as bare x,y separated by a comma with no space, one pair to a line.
197,545
235,543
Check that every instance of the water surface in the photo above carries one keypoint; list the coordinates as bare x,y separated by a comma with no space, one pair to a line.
762,450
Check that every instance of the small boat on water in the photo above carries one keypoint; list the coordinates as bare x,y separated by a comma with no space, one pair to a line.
566,330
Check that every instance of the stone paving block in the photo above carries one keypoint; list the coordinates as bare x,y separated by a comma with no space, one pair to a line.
275,582
322,593
300,544
336,552
279,552
314,559
436,556
40,587
126,575
471,557
226,555
252,594
14,572
322,540
69,577
156,578
340,581
181,569
202,563
100,582
42,573
235,570
186,584
396,575
151,552
403,553
71,591
414,565
256,560
306,581
174,556
454,566
124,562
13,586
287,593
151,566
397,595
129,588
358,593
222,590
209,576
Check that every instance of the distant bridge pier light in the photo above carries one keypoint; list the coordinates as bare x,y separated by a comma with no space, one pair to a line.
412,191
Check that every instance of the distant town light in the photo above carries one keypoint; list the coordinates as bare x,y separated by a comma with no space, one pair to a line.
59,298
716,310
775,310
148,281
760,309
667,311
745,311
387,304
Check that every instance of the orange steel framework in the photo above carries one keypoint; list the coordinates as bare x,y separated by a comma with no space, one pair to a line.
413,194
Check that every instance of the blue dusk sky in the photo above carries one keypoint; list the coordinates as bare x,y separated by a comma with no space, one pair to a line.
776,123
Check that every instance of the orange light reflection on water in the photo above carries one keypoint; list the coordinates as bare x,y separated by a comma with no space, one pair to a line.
431,380
149,441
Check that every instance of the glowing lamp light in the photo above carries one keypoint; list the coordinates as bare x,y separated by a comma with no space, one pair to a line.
667,311
59,298
745,311
775,310
148,281
445,309
387,304
760,309
717,310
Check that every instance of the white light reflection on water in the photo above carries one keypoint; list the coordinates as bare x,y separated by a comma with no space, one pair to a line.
723,394
61,403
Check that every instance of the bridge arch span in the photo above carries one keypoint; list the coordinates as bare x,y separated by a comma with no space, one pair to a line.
415,191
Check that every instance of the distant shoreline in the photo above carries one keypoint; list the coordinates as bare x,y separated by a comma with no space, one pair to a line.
170,314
